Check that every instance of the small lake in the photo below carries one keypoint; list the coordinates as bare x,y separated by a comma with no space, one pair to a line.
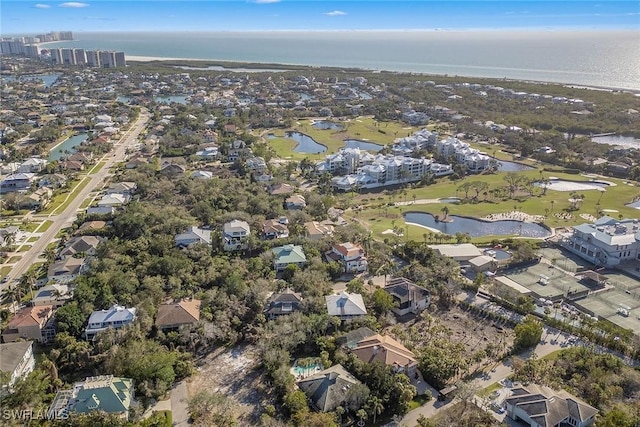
623,141
168,99
563,185
363,145
477,228
327,125
505,166
67,147
306,144
48,79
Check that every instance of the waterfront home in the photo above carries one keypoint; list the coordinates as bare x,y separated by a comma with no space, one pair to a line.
287,255
283,304
72,165
16,182
109,394
315,230
275,229
235,235
115,317
351,256
16,359
193,235
172,316
328,389
296,201
538,405
605,242
345,306
407,296
30,323
384,349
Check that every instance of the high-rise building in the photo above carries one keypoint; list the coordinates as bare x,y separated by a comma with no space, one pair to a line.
56,56
81,56
32,51
93,58
120,60
11,47
68,57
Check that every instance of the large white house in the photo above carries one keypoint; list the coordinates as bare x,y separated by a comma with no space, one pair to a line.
390,170
235,235
115,317
473,159
606,242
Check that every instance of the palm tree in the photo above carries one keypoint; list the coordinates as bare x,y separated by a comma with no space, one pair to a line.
445,211
375,406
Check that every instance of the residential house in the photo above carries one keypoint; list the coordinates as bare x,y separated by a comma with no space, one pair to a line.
73,165
65,270
296,201
540,406
201,174
30,323
315,230
33,165
328,389
275,229
55,295
346,306
282,188
37,200
16,182
350,340
283,304
287,255
350,255
173,315
91,226
54,181
83,245
208,153
115,317
16,358
235,235
606,242
458,252
100,210
193,235
172,170
384,349
134,163
113,395
407,296
126,188
236,149
113,200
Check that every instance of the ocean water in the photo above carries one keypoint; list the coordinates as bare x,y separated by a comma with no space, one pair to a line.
590,58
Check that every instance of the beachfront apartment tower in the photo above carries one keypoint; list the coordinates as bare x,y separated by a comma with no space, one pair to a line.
93,58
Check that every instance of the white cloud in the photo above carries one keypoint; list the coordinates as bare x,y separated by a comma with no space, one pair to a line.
336,13
41,6
74,4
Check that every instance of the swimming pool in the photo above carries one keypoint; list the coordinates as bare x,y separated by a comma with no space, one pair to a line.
306,369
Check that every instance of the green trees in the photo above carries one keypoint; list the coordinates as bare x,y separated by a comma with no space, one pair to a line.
528,334
70,318
440,361
211,409
382,301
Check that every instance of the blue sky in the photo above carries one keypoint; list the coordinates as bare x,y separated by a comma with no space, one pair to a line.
28,17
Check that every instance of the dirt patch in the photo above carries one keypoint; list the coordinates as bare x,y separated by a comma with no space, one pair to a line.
232,371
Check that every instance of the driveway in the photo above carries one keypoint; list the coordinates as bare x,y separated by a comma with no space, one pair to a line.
179,405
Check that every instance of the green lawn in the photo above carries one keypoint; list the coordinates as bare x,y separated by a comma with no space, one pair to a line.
24,248
14,259
28,226
45,226
418,401
375,212
4,271
61,201
485,392
363,128
33,239
553,355
96,168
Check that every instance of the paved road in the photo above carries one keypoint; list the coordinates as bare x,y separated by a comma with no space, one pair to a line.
66,218
180,405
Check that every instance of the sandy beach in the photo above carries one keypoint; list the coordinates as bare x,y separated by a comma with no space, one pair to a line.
514,216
